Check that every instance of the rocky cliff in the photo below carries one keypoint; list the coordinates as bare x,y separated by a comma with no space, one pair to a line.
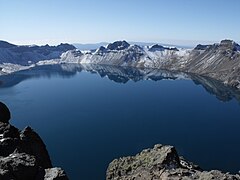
219,61
23,155
161,162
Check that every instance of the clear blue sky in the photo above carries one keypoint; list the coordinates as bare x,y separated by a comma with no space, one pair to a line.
89,21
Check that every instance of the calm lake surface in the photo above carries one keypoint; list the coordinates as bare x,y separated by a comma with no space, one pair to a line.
87,116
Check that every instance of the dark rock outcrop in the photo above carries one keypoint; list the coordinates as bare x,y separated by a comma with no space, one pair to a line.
118,45
23,155
201,47
31,143
5,114
158,47
161,162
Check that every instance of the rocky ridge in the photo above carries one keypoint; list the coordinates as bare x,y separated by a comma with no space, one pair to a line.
219,61
161,162
23,154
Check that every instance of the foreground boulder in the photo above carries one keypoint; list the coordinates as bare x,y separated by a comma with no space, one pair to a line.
23,154
161,162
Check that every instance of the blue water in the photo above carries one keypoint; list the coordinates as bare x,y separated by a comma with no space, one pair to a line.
87,120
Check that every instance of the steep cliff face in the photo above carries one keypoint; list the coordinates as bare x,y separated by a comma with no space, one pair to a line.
219,61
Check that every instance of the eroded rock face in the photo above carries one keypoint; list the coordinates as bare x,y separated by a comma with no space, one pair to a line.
161,162
23,155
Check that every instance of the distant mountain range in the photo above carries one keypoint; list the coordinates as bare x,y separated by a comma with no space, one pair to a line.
92,46
220,61
25,55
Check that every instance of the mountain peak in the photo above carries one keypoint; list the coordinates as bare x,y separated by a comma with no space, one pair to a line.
201,47
118,45
158,47
229,44
66,46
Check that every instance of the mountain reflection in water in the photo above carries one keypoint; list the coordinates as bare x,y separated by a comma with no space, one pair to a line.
120,75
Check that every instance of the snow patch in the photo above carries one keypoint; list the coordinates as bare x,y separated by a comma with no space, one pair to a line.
10,68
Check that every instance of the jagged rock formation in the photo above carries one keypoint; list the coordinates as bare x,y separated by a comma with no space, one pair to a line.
161,162
23,155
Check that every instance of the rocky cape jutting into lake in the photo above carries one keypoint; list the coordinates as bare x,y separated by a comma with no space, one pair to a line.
23,154
219,61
